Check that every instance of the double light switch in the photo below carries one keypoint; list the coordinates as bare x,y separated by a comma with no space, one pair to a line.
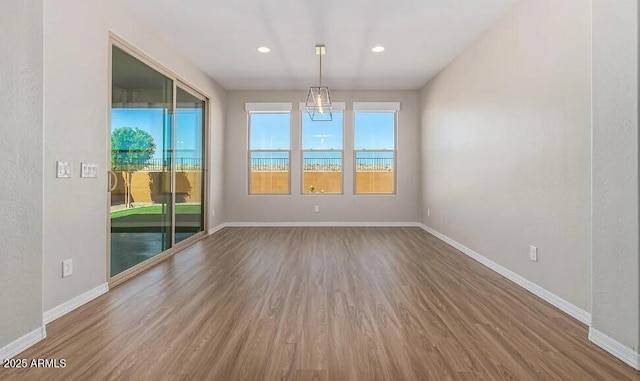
87,170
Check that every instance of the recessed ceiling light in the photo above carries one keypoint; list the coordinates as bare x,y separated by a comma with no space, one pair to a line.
377,49
264,49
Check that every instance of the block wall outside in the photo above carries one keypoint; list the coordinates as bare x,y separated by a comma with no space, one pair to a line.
329,182
147,187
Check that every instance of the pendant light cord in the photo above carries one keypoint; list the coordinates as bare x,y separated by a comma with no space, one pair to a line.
320,68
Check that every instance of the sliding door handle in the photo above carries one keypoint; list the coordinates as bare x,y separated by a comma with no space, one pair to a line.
113,181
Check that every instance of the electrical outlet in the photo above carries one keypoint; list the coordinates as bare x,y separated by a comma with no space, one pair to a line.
213,212
533,253
428,212
317,209
67,267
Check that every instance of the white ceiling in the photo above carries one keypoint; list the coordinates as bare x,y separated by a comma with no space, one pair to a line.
222,36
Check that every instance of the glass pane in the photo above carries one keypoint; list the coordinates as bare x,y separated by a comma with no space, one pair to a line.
189,165
269,131
375,130
141,155
321,165
269,172
269,140
321,172
325,135
375,172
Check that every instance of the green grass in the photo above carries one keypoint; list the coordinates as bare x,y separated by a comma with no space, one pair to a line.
156,209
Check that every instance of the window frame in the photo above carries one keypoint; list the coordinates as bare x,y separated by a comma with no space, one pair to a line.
267,108
341,151
376,107
178,82
335,108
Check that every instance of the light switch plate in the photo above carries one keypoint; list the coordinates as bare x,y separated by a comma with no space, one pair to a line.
67,267
63,170
533,253
88,170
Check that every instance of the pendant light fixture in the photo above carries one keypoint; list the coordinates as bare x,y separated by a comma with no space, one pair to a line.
318,100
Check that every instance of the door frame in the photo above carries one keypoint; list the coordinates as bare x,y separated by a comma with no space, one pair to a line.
119,42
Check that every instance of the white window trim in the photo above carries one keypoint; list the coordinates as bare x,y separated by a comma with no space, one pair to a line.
376,106
335,106
268,107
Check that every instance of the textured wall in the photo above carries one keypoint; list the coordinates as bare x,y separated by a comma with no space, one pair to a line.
20,168
240,207
616,291
506,146
76,77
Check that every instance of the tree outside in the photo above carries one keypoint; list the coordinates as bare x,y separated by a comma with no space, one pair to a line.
131,150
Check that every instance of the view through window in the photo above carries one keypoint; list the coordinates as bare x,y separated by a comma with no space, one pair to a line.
269,152
157,163
322,155
374,150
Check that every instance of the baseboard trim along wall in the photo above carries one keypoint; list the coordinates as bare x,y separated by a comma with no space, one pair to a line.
22,343
322,224
621,351
574,311
74,303
216,228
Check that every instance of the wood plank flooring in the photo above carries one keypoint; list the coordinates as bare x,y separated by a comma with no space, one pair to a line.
320,304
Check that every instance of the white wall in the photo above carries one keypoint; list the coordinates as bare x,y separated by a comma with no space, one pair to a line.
616,266
506,146
20,168
240,207
76,103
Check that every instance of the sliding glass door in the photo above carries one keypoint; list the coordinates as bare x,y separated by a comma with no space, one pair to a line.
190,175
157,163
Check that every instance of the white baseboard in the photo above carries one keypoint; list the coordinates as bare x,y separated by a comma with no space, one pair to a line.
22,343
574,311
621,351
322,224
74,303
216,228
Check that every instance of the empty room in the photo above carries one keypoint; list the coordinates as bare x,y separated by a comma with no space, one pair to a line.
297,190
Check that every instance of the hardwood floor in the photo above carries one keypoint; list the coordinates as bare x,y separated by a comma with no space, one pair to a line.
320,304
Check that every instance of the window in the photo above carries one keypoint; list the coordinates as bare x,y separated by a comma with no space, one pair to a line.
375,147
322,155
269,152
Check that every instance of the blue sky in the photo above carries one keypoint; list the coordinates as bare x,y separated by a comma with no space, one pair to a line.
322,135
188,135
269,131
374,130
